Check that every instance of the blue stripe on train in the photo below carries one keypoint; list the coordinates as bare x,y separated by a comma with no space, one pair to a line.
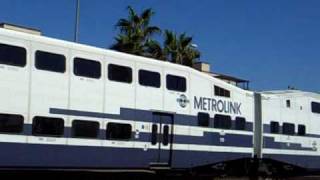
139,115
269,142
63,156
208,138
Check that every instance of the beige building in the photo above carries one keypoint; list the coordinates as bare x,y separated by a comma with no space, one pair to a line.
205,67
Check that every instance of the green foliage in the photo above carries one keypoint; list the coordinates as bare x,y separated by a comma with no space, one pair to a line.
136,34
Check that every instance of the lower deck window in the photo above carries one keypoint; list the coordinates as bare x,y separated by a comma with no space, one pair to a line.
118,131
203,119
11,123
85,129
301,130
47,126
222,121
274,127
288,129
240,123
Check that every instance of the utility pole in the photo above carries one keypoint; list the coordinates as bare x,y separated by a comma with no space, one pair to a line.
76,29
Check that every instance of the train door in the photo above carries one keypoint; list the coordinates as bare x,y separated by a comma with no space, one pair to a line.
161,138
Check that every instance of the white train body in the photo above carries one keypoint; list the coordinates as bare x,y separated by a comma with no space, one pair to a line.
66,105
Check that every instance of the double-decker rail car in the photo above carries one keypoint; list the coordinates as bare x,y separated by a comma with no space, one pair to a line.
70,106
291,127
66,105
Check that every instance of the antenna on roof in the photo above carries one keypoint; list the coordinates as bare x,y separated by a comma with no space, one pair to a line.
76,29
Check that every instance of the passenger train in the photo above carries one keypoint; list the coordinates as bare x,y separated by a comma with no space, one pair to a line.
70,106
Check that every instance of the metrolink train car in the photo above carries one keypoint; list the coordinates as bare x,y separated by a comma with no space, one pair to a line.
70,106
291,128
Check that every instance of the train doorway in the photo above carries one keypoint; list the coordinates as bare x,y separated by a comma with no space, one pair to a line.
161,138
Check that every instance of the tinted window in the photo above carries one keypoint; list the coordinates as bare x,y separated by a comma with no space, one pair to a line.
119,73
288,128
85,129
87,68
301,130
240,123
47,126
274,127
12,55
288,103
315,107
222,121
218,91
148,78
50,61
165,135
203,119
118,131
11,123
154,134
176,83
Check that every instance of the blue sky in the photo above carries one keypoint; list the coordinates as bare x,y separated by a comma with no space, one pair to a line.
272,43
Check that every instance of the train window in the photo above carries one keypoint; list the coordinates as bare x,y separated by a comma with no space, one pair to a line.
11,123
85,129
165,139
119,73
50,62
288,103
154,134
13,55
222,121
240,123
176,83
288,128
149,78
301,130
118,131
203,119
274,127
47,126
315,107
218,91
87,68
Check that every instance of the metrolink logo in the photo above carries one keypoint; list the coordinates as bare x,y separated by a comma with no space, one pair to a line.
211,104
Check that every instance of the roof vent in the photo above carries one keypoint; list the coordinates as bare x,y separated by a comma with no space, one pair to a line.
20,29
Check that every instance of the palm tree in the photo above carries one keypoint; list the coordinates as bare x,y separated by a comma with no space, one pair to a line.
179,49
135,32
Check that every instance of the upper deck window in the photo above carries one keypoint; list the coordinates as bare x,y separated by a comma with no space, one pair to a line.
13,55
50,62
119,73
176,83
87,68
288,103
149,78
315,107
218,91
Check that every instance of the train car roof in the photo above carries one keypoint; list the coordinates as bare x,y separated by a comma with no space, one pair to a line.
291,93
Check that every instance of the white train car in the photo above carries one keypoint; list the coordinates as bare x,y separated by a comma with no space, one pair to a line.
67,105
291,127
